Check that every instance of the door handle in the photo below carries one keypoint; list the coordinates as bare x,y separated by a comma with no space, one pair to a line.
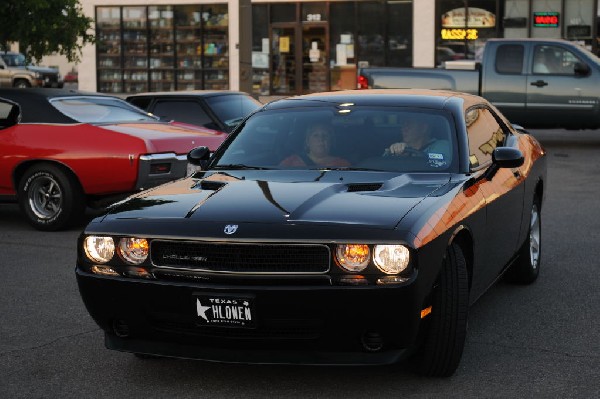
539,83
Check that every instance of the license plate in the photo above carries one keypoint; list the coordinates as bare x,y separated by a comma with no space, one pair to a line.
225,311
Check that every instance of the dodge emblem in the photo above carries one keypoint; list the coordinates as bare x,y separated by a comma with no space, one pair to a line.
230,228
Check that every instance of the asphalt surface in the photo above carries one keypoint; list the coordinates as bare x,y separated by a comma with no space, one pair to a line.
541,340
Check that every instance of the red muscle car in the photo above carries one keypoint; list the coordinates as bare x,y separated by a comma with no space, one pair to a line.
62,150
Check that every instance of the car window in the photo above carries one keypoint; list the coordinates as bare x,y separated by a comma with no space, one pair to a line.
509,58
140,102
484,135
553,60
231,109
188,111
99,109
356,138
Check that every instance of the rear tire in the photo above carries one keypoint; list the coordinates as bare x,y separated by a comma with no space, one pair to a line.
445,336
50,198
526,268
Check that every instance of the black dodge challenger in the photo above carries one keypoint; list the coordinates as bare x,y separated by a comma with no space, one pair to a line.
335,228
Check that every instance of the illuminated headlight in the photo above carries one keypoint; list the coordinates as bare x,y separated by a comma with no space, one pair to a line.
133,250
99,249
391,259
353,257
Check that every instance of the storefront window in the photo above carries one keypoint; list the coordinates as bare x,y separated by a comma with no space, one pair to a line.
162,48
283,12
342,46
314,12
547,30
465,26
260,49
370,36
400,26
579,17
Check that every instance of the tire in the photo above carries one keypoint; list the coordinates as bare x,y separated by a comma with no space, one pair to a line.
526,268
446,331
21,84
50,198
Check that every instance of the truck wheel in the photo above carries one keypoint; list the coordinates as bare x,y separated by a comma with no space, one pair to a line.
50,198
526,267
21,84
446,331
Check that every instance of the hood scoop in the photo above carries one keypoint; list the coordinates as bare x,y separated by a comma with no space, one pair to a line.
210,185
352,188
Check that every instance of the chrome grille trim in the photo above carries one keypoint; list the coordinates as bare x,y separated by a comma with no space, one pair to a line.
241,258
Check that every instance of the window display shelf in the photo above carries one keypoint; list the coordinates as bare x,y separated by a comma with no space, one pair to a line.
162,47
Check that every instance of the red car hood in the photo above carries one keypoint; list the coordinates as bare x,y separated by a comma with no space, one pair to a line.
165,137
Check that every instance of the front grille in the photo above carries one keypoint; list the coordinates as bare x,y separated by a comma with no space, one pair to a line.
240,258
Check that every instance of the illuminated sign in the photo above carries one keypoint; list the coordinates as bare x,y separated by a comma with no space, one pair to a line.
546,19
460,34
477,18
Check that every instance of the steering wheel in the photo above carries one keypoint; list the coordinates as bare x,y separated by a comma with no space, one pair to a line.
408,151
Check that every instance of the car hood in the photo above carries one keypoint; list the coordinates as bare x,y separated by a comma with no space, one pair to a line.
166,137
296,198
41,69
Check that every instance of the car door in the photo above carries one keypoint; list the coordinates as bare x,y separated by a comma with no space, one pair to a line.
502,189
556,94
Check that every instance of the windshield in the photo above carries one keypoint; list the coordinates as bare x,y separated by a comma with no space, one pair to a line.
100,110
14,59
232,109
394,139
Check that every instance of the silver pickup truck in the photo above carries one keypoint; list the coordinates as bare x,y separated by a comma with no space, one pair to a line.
534,82
15,72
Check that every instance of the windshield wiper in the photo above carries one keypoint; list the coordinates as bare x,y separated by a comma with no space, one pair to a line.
239,166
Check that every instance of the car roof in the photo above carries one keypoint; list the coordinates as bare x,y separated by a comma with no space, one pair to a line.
35,105
432,99
188,93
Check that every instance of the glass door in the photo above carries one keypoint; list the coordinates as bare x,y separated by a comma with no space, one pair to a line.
314,59
283,60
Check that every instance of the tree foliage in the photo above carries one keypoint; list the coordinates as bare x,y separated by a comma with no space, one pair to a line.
44,27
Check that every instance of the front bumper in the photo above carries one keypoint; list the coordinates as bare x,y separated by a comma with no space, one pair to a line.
295,324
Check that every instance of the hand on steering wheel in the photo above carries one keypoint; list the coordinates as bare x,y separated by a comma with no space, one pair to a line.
401,149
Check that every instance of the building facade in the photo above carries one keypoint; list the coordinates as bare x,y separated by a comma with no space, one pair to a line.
305,46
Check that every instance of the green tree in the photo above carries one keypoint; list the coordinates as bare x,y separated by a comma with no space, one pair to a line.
44,27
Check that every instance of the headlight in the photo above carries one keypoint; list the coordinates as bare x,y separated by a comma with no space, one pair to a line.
391,259
353,257
133,250
99,249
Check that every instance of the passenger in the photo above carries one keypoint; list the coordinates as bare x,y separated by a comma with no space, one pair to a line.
317,147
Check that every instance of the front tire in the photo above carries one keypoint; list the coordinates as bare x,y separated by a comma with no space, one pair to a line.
526,267
50,198
445,336
21,84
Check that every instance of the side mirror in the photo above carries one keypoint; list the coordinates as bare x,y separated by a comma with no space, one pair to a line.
198,156
507,157
10,113
581,69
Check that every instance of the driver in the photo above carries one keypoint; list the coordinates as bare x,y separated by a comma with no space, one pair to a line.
417,140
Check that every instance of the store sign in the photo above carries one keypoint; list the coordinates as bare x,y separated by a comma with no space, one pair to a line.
546,19
460,34
579,31
477,18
